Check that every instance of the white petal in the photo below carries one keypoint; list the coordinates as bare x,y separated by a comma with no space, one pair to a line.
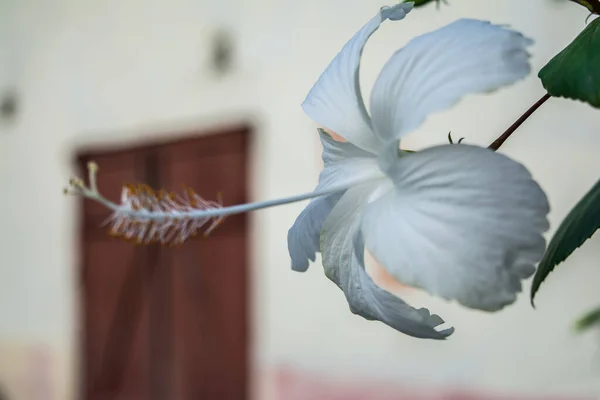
343,259
303,236
435,70
344,163
335,100
462,222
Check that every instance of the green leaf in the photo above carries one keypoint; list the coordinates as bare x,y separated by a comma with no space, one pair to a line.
574,73
419,3
588,320
579,225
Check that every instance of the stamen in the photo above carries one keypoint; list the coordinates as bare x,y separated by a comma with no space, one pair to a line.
146,216
175,227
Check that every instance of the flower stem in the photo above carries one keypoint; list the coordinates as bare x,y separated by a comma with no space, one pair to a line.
502,138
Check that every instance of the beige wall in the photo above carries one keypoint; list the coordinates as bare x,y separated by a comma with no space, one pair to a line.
118,70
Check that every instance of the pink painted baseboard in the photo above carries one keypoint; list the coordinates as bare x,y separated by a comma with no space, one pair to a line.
295,385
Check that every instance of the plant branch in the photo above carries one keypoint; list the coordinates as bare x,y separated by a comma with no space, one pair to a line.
502,138
592,5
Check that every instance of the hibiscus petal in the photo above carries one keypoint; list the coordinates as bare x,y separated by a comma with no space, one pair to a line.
436,69
462,222
342,246
303,236
344,163
335,101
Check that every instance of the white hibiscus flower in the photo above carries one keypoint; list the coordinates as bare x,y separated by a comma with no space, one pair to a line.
460,221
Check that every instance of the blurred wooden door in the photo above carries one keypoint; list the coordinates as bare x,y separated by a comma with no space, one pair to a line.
167,323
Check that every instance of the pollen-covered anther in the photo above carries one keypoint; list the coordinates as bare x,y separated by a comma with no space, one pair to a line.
146,216
76,187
